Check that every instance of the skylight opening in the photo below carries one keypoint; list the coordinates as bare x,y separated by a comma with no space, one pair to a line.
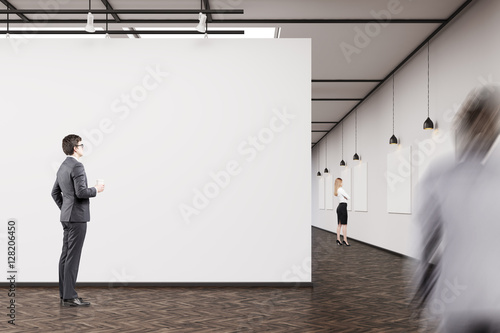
257,32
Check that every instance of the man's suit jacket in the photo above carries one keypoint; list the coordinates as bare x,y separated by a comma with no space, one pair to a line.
457,204
70,191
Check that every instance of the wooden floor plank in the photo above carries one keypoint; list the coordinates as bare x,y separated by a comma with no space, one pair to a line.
356,289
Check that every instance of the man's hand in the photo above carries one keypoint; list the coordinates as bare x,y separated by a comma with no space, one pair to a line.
99,188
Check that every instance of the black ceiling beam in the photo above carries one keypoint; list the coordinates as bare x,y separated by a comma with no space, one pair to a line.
324,122
134,33
214,21
335,99
402,63
108,6
207,6
328,21
12,8
96,20
345,80
124,11
122,32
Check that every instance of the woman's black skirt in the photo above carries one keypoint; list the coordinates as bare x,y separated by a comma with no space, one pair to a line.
342,213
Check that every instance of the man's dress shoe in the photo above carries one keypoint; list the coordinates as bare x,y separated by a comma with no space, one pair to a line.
75,302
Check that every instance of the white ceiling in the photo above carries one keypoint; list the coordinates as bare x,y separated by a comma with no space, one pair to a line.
332,25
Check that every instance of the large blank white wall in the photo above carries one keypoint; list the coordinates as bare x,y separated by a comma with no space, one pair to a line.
462,56
203,145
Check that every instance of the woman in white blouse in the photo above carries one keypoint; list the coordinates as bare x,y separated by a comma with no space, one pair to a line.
341,211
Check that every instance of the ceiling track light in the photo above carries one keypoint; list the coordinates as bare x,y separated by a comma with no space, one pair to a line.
393,140
428,124
90,20
90,23
202,20
202,24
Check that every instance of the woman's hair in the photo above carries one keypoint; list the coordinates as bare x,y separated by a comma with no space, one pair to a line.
338,183
477,123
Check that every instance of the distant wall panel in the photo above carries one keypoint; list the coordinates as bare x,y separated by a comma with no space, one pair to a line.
399,181
360,191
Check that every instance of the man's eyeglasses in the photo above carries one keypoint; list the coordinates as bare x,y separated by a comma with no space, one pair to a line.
81,145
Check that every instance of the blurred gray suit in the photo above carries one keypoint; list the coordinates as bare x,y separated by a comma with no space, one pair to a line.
459,212
71,194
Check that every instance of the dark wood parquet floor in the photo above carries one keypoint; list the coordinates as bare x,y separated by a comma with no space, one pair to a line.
356,289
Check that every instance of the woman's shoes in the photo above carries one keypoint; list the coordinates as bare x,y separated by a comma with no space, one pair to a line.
338,242
346,243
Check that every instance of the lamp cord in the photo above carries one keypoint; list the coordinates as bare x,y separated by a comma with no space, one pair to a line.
342,141
326,152
393,105
356,131
428,75
318,159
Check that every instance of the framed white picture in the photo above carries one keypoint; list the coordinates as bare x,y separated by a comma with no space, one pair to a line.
360,187
398,178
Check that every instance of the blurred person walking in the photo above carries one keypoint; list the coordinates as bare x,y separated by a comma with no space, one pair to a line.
458,213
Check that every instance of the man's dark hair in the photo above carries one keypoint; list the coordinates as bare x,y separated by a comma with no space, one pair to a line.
69,142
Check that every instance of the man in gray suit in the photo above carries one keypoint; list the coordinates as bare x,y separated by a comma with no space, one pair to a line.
458,215
71,194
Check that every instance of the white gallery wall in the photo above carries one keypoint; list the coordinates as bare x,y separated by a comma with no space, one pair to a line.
462,56
203,146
